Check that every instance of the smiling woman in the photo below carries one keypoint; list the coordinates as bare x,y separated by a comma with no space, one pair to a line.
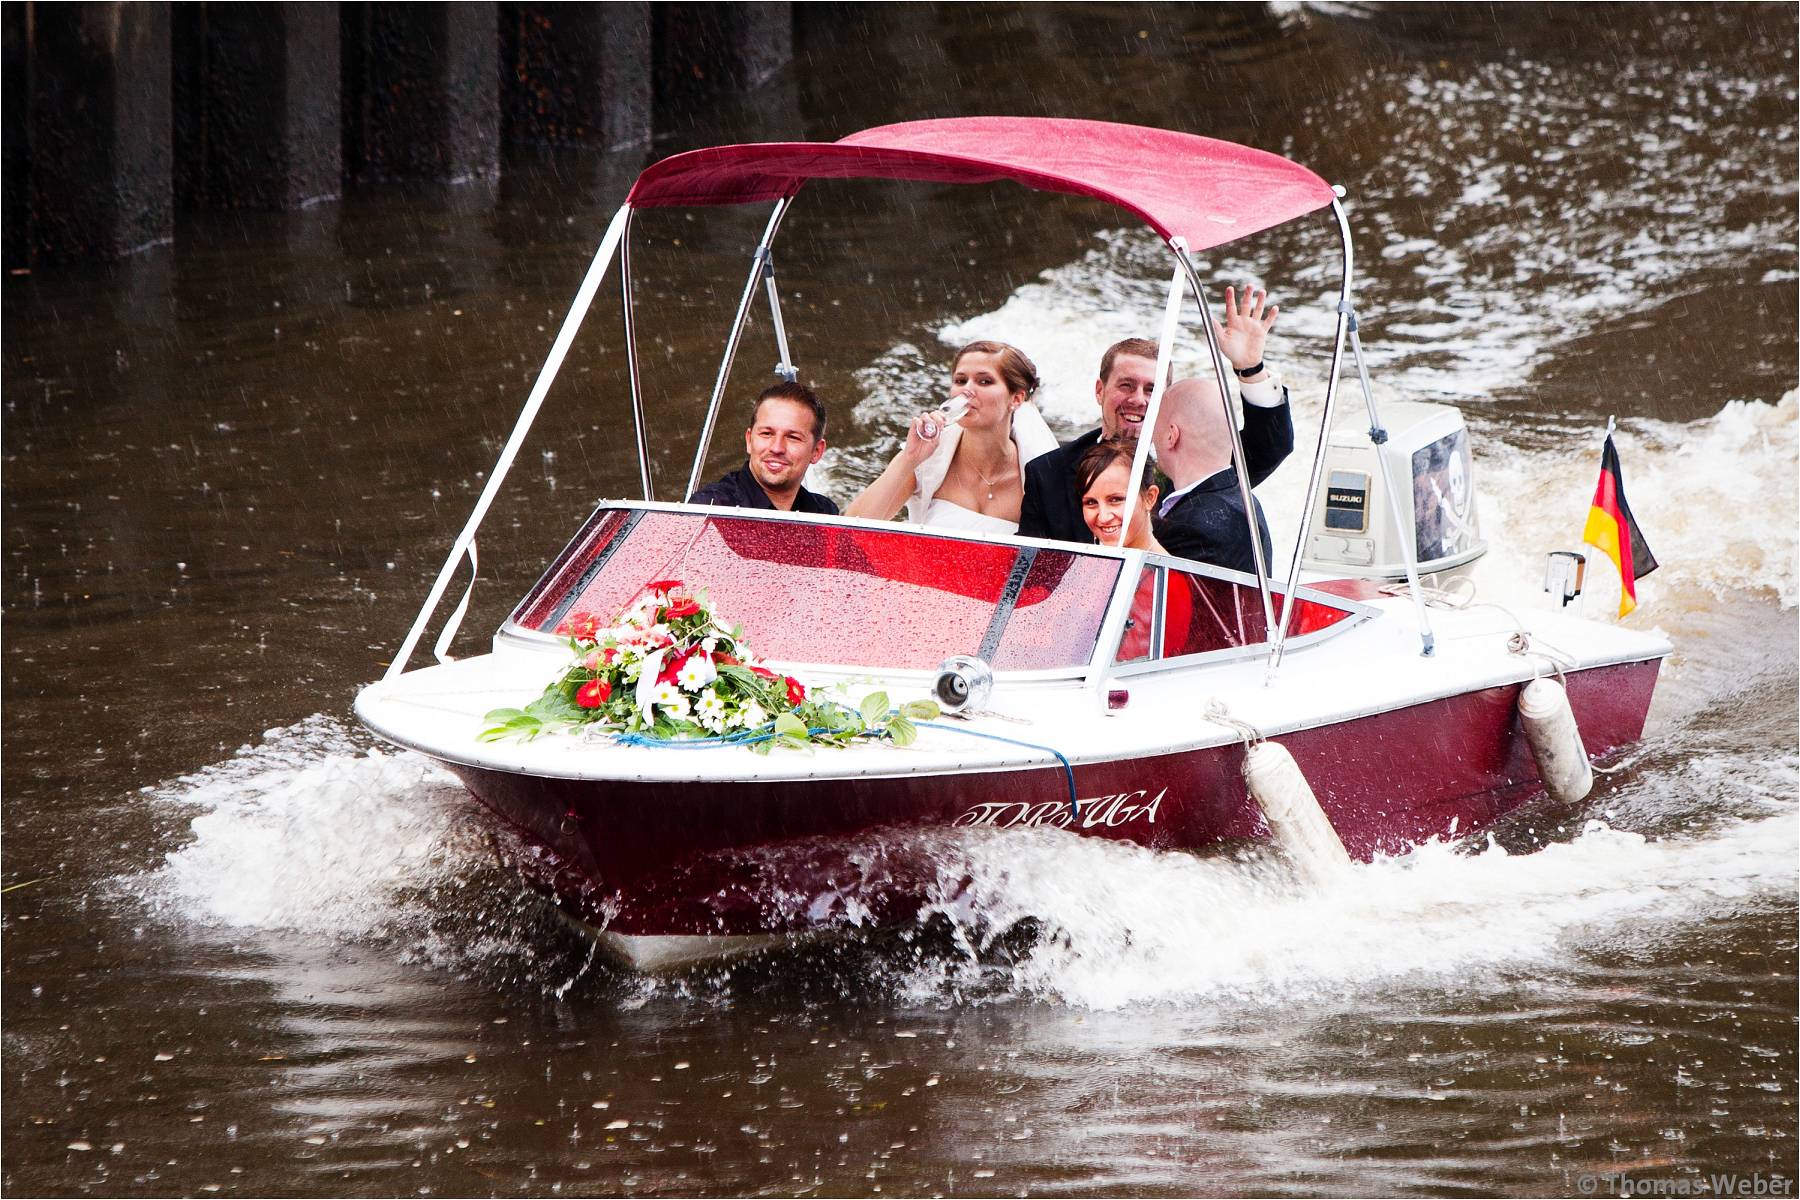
1108,499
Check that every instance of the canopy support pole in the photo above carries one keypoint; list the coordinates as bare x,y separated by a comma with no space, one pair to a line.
1165,352
757,263
1346,321
631,360
784,365
465,541
1225,379
1378,436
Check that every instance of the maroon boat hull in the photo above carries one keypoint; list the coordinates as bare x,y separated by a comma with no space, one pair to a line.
650,859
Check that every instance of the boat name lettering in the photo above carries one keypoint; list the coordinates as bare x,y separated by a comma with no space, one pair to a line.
1109,811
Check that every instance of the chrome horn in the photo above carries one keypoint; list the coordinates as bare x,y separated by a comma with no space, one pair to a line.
963,682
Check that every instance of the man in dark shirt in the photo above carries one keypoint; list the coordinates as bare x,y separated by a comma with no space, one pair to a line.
786,436
1052,506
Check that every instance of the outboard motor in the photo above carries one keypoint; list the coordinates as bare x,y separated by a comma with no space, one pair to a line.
1353,533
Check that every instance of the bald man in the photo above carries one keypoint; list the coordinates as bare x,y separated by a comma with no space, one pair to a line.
1202,517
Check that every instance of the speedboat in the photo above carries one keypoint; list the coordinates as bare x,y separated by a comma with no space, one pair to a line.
1092,689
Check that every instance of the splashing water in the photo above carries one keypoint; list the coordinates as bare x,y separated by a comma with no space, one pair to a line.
1122,925
308,833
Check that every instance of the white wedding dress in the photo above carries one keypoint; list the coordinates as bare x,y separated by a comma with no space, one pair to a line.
941,514
1029,433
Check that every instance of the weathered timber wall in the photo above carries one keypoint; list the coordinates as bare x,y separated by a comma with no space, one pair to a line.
118,114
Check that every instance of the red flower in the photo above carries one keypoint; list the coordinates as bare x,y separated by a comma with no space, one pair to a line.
687,606
725,660
594,660
764,672
663,585
593,693
796,693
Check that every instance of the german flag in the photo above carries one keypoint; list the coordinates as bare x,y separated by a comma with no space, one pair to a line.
1610,527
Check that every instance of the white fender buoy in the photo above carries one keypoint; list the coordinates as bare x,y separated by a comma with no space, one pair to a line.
1555,741
1295,819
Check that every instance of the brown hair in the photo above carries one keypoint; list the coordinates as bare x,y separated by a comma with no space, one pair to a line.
1019,372
1102,455
1136,347
798,393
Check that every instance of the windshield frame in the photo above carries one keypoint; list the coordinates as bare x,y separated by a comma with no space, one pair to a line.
1100,663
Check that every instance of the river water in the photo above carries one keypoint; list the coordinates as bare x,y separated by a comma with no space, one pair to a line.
247,950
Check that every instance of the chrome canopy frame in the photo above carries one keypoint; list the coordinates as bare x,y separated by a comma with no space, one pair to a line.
617,238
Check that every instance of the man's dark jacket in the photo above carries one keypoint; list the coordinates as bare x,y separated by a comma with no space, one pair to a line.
1052,507
740,490
1207,525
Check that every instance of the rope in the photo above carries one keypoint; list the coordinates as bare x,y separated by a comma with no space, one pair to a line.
765,733
748,737
1461,594
1218,714
1068,771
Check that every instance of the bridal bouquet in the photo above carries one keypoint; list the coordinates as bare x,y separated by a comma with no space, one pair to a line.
668,669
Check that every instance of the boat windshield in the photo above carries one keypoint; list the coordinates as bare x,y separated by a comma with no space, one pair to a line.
839,595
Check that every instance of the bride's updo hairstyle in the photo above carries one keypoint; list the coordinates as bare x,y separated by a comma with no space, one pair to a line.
1019,372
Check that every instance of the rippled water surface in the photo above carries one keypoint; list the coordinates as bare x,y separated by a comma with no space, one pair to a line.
248,950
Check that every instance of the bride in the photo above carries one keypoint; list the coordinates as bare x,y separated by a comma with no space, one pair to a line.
967,471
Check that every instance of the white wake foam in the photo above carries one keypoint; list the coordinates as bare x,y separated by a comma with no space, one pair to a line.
307,831
1714,499
1123,926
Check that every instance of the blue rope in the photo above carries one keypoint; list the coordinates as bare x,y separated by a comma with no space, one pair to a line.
748,737
765,733
1068,771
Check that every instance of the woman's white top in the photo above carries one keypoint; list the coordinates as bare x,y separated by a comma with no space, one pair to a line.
1029,433
942,514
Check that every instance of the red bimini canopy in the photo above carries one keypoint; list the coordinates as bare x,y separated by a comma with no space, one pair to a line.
1200,189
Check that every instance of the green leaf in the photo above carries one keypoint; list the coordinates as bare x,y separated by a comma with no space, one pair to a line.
921,710
902,731
515,724
787,725
875,708
740,675
832,717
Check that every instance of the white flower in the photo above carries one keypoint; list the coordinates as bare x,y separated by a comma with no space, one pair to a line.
753,715
710,709
697,672
667,695
676,707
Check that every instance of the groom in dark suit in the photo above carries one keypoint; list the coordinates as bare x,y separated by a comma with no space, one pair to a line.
1203,516
1052,505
